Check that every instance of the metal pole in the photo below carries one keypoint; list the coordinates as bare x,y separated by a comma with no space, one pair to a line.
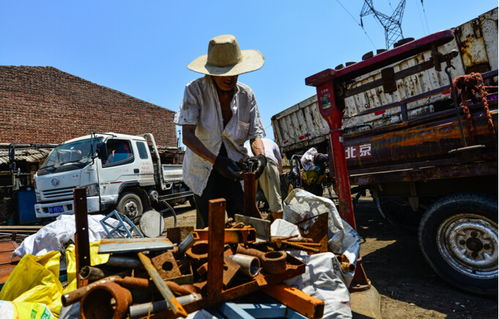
82,246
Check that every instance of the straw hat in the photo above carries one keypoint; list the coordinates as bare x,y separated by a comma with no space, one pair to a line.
225,58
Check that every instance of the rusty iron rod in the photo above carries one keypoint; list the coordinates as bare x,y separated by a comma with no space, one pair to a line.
82,245
216,231
164,290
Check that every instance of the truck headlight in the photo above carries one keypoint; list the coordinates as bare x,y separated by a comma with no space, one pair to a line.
92,190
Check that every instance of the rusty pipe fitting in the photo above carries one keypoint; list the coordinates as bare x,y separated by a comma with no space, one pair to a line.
129,282
91,273
345,264
108,300
274,262
198,252
250,265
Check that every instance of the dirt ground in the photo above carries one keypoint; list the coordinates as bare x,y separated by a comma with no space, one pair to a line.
393,262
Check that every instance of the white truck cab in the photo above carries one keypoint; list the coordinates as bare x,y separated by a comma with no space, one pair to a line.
118,170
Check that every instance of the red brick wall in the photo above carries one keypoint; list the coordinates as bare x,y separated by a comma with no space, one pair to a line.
45,105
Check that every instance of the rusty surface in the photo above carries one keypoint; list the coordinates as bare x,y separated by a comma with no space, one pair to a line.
274,262
177,234
91,273
216,230
7,253
250,183
166,265
246,234
296,299
230,271
250,251
108,300
163,288
82,245
198,252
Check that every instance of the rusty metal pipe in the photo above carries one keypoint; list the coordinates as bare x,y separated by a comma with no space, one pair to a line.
123,262
250,252
274,262
108,300
250,265
129,282
91,273
142,310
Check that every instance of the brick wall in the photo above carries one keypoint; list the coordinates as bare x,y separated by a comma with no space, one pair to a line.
45,105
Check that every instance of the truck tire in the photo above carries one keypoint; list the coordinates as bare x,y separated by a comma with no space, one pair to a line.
131,206
458,237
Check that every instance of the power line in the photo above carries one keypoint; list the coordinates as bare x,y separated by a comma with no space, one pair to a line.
355,20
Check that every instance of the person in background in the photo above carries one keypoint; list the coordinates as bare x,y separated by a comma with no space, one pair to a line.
218,114
269,181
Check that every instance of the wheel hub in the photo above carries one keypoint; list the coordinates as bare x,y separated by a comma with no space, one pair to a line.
470,244
131,209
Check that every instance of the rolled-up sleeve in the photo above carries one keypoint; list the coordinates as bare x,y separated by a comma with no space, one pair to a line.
188,113
256,127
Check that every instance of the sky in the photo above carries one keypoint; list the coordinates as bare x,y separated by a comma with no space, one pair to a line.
142,48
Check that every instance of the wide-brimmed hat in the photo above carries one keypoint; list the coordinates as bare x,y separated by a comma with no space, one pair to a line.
225,58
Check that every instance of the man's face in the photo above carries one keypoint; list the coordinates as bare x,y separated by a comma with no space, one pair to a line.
225,83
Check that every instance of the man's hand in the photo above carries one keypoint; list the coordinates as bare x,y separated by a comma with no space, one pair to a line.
256,164
228,168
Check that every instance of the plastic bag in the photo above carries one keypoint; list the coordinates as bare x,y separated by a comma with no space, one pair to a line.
21,310
35,280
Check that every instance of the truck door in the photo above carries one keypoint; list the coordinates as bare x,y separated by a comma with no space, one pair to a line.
120,167
145,174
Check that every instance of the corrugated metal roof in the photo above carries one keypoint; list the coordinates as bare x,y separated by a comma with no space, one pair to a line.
28,154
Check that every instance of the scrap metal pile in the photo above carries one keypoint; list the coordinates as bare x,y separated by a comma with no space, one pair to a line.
163,278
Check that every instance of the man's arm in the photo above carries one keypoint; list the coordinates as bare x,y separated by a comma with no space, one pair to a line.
192,142
257,146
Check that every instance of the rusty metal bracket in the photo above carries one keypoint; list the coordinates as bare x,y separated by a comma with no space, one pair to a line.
166,265
246,234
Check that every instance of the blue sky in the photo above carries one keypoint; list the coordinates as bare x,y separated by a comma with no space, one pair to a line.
142,47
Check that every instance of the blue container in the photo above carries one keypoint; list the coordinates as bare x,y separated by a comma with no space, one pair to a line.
25,202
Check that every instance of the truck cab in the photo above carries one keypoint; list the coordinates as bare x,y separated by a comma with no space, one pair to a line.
118,170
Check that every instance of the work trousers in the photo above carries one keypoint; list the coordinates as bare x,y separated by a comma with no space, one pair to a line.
219,187
270,184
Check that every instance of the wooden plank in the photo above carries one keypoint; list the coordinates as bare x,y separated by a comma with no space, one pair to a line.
297,300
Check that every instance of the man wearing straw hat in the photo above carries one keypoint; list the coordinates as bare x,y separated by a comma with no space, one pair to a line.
218,114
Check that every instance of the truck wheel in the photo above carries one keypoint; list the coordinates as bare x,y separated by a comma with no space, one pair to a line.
458,237
130,205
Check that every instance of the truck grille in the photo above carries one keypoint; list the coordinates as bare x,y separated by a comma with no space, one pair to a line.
60,193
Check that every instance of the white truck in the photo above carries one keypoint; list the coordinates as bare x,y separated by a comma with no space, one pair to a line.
119,171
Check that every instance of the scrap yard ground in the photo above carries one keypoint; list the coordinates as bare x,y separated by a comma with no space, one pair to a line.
393,262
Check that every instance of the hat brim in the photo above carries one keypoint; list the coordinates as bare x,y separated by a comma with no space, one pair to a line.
251,60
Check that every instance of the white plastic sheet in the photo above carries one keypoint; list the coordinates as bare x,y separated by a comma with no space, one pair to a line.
300,205
56,235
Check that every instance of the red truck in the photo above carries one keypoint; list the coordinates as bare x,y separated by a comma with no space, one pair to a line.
418,124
